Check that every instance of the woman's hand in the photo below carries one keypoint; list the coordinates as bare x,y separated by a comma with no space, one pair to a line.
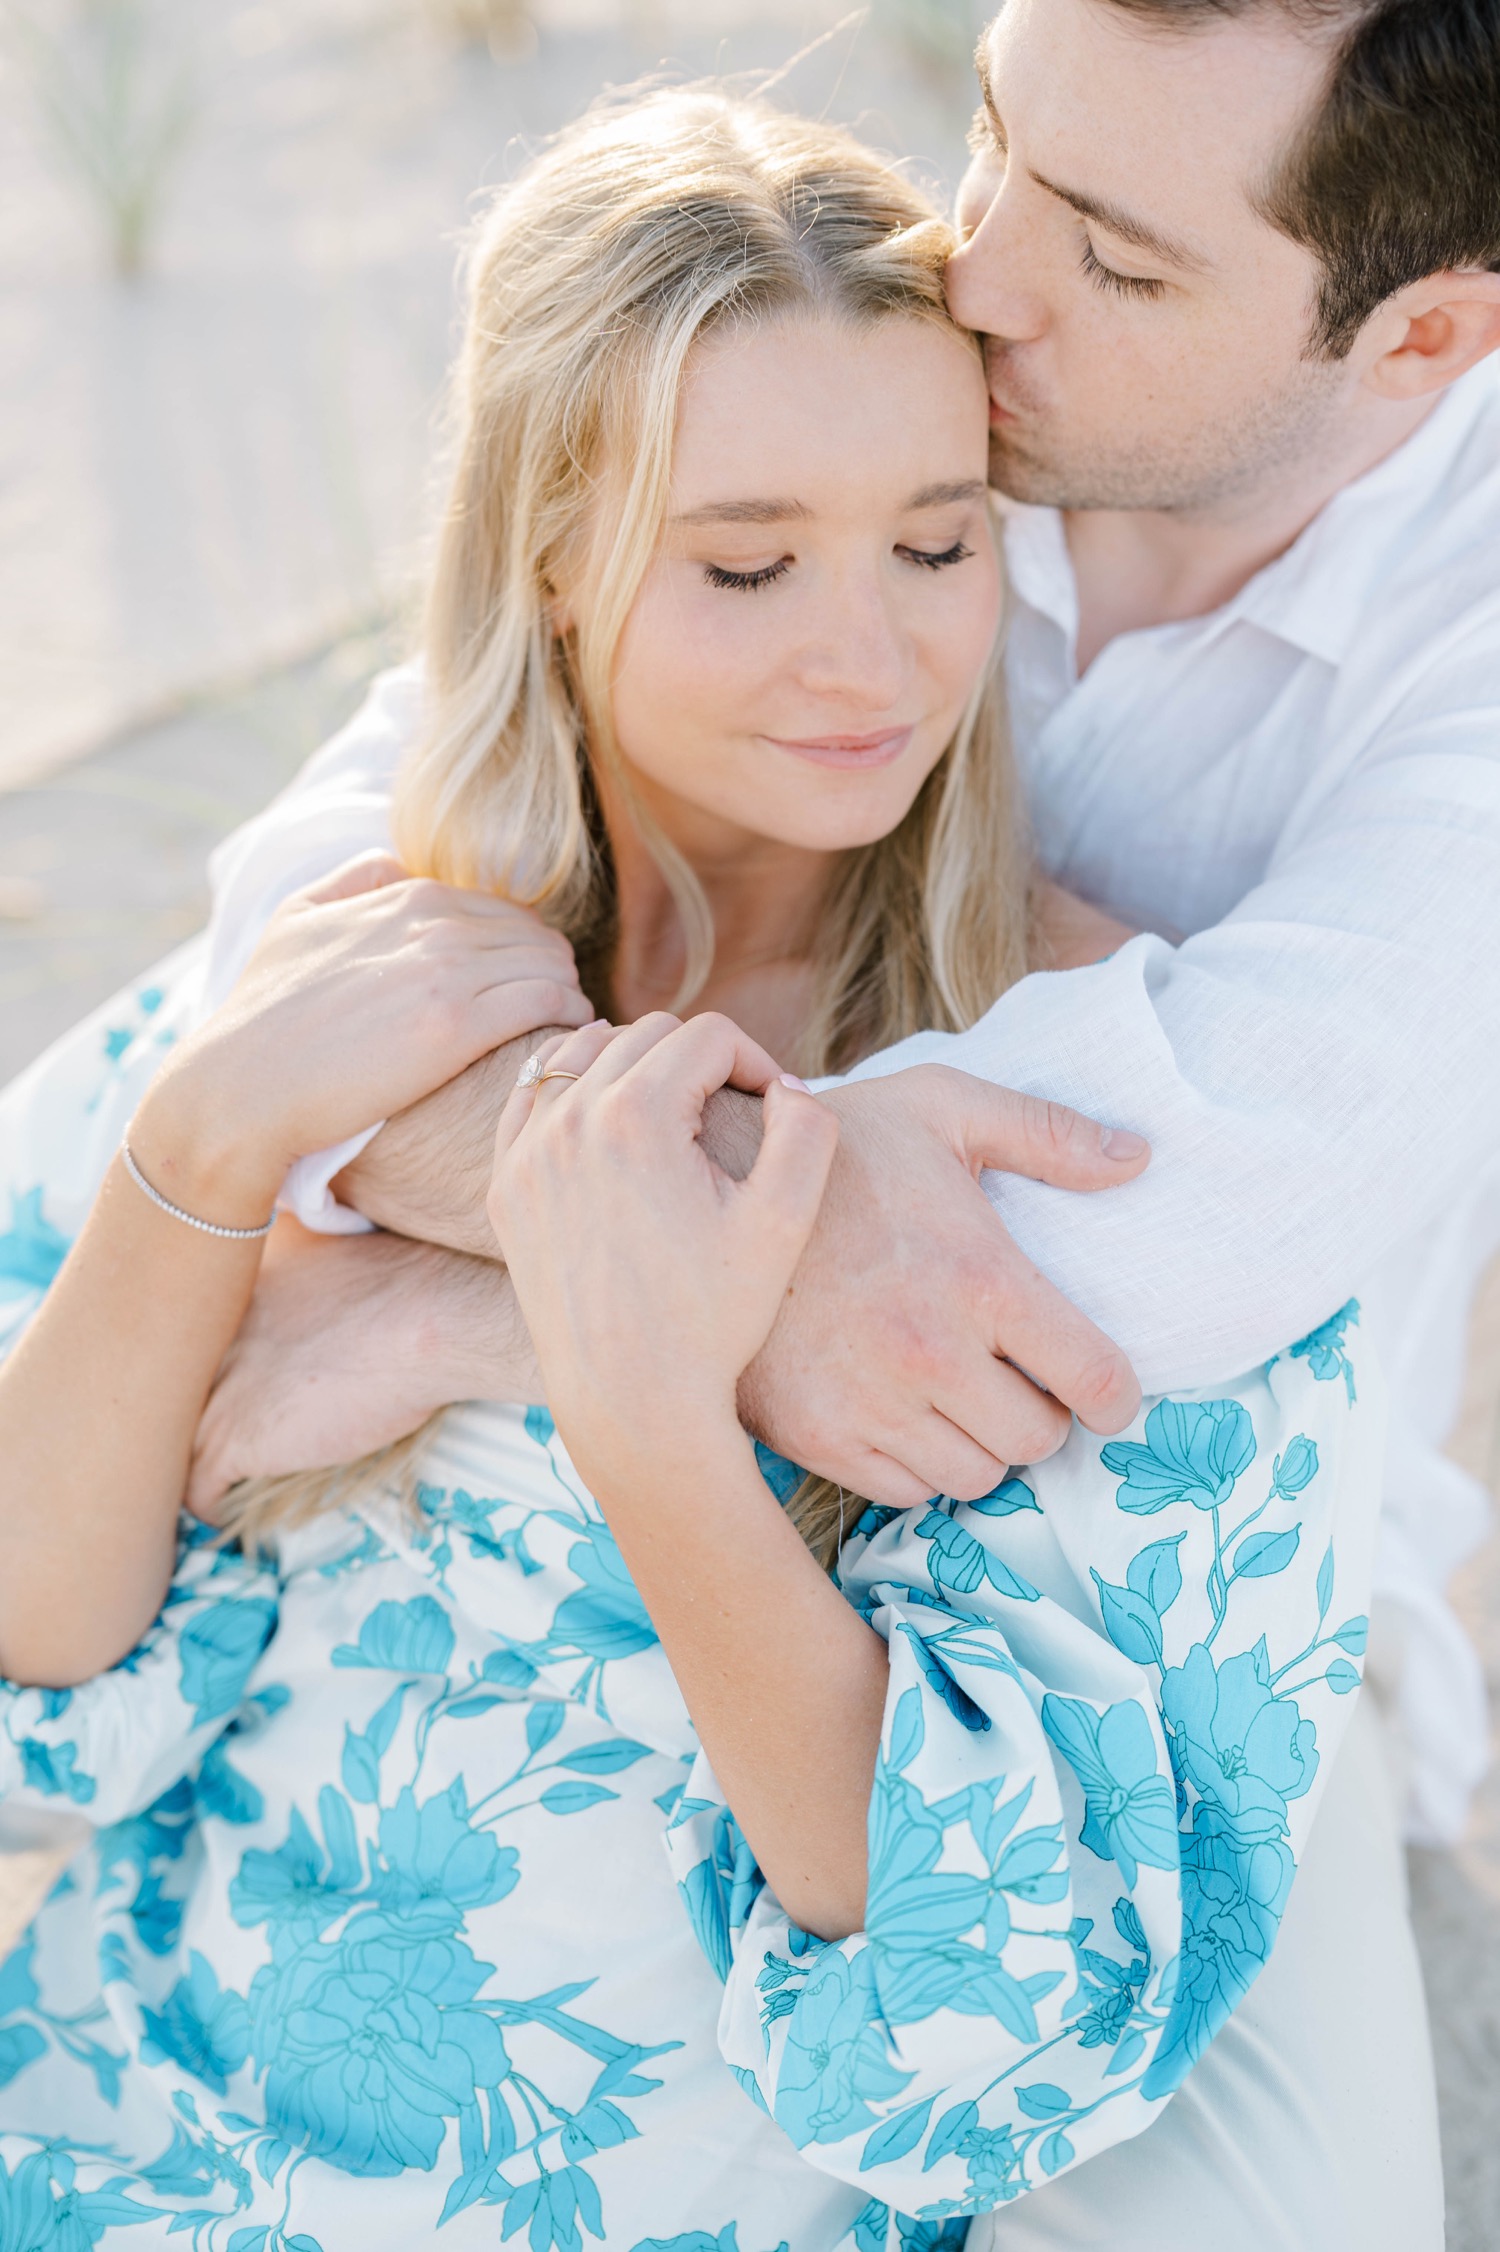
365,992
648,1278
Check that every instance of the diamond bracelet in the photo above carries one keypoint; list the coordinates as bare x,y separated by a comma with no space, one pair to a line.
189,1219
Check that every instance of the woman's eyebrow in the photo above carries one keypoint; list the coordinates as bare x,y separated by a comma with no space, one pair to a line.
945,496
743,512
785,511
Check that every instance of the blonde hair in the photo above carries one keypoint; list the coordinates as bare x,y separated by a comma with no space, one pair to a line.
590,281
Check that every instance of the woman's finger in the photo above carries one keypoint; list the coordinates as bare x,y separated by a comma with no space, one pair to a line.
700,1057
572,1052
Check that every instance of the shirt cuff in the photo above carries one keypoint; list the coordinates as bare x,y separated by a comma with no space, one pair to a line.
306,1192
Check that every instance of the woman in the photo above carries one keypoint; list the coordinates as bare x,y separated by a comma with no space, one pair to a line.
984,1837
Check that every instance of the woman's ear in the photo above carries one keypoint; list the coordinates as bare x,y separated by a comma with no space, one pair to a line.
1434,331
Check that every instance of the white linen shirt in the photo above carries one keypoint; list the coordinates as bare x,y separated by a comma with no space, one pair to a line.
1301,794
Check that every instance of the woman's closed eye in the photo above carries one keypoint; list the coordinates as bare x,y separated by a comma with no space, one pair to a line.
928,559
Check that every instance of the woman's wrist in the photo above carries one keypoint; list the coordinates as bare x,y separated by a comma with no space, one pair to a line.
196,1150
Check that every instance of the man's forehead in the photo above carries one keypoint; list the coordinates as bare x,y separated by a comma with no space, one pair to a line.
1174,127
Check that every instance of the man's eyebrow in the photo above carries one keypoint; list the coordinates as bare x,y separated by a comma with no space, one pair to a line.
744,512
1122,223
1098,208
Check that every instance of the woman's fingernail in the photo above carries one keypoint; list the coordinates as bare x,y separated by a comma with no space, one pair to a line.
1119,1143
790,1079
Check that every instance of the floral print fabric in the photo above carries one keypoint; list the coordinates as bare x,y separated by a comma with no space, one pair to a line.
411,1901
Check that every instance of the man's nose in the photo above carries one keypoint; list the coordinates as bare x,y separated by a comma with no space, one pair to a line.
989,280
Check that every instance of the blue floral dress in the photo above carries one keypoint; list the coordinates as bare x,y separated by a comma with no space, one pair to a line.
406,1900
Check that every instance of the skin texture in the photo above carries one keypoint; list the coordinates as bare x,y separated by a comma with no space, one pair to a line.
1172,403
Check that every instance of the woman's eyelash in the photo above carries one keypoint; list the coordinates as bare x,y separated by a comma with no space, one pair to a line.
1124,285
747,581
957,553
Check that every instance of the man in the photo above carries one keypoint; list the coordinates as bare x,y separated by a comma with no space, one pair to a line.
1236,262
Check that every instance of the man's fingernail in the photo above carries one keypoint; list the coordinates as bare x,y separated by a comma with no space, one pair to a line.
1119,1143
790,1079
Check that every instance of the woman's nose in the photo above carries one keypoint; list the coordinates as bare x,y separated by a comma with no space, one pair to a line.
860,653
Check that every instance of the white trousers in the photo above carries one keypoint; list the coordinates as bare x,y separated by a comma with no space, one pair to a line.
1310,2124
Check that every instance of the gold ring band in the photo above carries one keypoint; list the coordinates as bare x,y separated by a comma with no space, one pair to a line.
543,1076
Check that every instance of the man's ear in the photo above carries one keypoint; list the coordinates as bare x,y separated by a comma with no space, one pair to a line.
1432,332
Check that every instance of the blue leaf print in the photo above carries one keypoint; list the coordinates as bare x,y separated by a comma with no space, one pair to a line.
20,2045
1342,1677
605,1758
907,1730
219,1651
1194,1451
1043,2100
962,1563
31,1250
1264,1554
1056,2152
962,1706
1129,1621
949,2133
540,1426
1325,1584
1156,1573
897,2136
573,1798
542,1723
1012,1495
414,1637
1353,1635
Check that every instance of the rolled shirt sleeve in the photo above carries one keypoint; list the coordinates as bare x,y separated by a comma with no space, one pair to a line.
1115,1689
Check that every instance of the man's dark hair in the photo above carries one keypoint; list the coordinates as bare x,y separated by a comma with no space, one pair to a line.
1398,173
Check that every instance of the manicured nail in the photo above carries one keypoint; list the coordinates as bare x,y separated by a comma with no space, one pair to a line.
1119,1143
790,1079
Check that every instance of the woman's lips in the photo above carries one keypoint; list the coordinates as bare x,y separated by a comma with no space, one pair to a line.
848,750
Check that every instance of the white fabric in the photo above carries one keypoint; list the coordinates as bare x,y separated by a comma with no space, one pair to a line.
1307,785
1310,2123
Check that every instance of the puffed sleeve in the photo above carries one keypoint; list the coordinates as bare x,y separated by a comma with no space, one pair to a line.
1102,1748
110,1747
63,1119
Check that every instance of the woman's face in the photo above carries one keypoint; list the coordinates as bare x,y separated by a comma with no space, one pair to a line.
826,591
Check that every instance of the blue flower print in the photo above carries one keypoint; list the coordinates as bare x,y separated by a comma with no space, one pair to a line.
1131,1809
54,1769
433,1867
1232,1901
1244,1750
835,2065
1324,1349
370,2048
220,1648
20,2045
41,2211
31,1249
414,1637
200,2027
607,1618
1194,1451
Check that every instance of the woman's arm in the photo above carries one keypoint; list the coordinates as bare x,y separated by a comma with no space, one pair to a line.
648,1279
362,994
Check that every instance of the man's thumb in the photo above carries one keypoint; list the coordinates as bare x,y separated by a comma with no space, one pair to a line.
785,1186
1044,1141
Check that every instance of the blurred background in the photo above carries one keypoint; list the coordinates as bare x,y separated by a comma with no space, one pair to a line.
228,239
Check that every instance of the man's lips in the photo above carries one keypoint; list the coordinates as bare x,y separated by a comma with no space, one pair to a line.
866,751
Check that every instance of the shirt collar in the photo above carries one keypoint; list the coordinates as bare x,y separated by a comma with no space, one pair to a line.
1315,595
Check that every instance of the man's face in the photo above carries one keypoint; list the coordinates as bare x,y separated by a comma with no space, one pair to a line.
1148,329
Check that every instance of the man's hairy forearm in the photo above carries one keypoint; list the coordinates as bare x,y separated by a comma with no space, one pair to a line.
427,1172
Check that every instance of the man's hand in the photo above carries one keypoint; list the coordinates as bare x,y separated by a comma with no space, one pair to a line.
350,1343
895,1365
